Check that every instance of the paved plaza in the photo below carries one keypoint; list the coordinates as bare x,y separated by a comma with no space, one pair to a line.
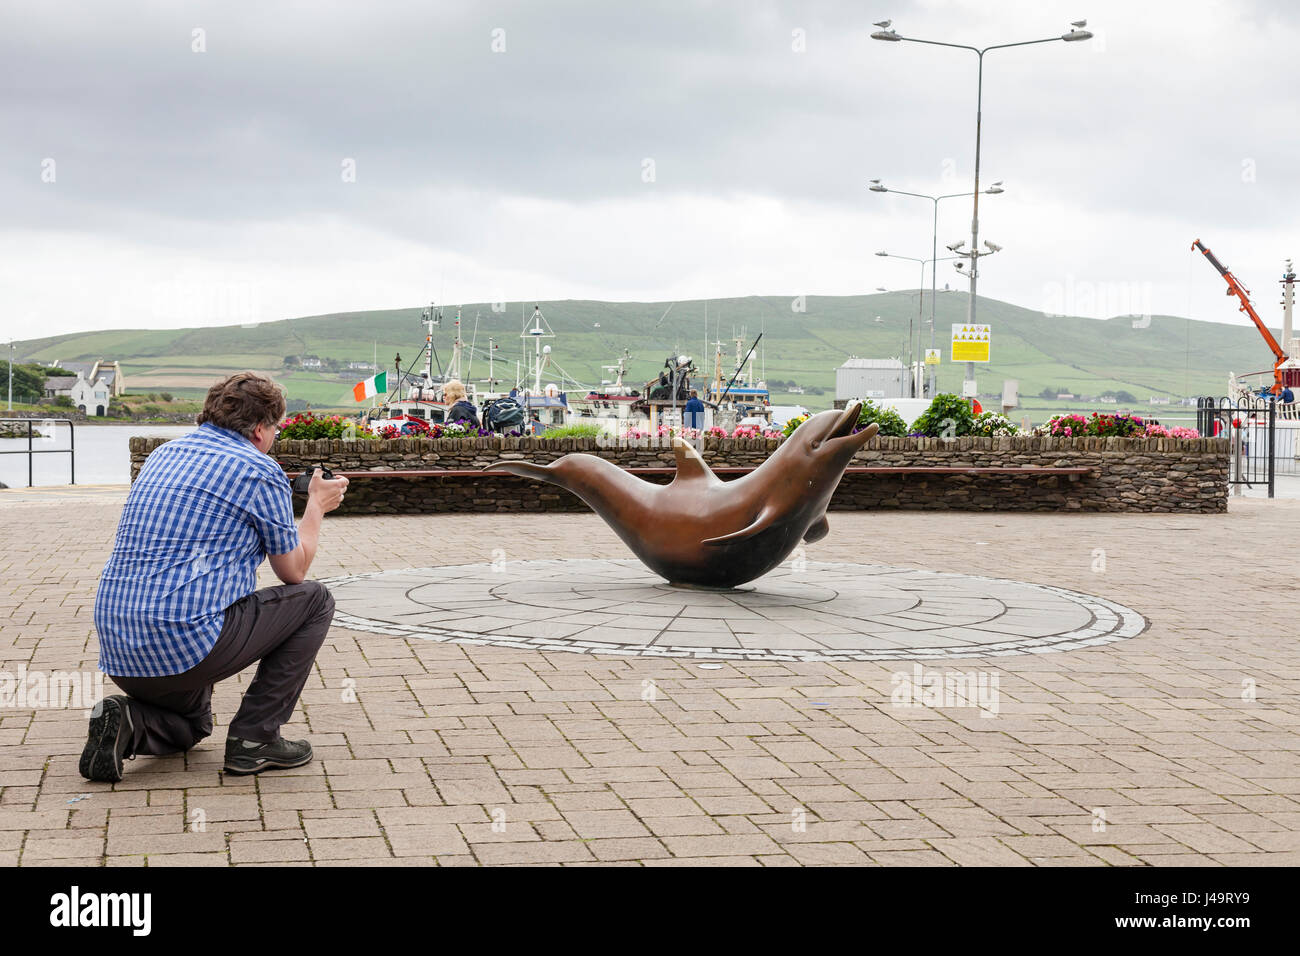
803,611
914,689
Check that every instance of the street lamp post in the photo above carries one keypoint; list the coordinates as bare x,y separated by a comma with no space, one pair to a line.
877,187
920,306
886,33
11,375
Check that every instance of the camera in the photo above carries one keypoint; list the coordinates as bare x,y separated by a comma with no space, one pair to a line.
303,481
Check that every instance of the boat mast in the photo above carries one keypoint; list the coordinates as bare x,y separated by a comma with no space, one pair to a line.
430,318
541,330
1288,303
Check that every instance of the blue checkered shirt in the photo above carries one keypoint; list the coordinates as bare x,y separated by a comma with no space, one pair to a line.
202,514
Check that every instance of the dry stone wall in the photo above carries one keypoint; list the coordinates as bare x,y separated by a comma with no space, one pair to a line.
1143,475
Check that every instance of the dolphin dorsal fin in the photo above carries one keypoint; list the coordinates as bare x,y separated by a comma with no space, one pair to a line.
690,466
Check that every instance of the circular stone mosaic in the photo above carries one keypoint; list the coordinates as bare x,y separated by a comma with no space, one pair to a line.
814,611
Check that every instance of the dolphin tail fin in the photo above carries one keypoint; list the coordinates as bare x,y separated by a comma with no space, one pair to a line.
817,530
760,524
524,469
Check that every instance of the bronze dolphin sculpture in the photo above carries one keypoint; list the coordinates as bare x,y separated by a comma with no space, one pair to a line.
700,530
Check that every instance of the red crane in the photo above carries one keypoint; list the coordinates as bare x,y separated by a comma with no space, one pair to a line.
1241,292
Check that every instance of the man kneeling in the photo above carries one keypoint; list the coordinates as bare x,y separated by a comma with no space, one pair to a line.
177,610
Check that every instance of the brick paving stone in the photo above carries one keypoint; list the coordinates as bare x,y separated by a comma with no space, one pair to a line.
1152,729
268,851
514,853
429,839
627,849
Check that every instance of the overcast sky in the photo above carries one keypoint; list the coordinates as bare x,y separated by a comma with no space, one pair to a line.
167,163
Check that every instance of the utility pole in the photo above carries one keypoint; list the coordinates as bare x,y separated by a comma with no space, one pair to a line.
11,375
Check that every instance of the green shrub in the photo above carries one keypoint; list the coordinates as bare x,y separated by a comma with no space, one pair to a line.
949,416
890,423
165,396
576,430
151,411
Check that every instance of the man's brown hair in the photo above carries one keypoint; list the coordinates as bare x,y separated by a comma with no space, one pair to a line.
242,402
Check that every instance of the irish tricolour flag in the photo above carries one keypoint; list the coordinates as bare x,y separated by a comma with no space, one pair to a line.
370,387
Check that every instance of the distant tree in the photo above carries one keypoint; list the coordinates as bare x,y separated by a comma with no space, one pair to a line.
291,360
1049,392
151,411
152,396
1126,397
165,396
27,382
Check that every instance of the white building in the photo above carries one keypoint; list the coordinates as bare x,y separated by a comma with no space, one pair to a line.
871,378
89,397
102,370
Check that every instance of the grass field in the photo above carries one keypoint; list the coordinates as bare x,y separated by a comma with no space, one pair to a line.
1171,356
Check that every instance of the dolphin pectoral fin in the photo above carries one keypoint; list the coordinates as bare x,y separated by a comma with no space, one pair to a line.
817,530
764,521
689,463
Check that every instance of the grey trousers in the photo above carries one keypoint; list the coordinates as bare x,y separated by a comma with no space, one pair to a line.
282,627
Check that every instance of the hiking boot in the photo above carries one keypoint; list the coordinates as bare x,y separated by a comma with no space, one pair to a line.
111,729
248,756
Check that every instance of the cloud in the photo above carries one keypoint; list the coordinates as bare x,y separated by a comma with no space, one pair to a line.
523,172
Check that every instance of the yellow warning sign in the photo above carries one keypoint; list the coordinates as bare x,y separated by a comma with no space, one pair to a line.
932,357
970,343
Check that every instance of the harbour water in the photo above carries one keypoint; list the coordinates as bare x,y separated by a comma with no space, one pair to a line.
102,451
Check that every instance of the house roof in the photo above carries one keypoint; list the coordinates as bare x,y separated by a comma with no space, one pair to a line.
61,381
872,363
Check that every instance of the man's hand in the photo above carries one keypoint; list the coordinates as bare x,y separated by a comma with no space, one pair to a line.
327,493
323,496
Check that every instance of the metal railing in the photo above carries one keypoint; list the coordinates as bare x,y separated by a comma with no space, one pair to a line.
29,451
1257,446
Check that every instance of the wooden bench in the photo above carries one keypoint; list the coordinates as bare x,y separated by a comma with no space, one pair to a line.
1072,473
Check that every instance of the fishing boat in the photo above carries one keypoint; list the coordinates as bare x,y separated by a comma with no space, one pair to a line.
742,400
421,399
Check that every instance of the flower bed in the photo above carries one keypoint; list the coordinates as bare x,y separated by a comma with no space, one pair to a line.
692,434
1112,426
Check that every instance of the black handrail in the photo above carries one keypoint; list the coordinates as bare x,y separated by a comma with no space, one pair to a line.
70,451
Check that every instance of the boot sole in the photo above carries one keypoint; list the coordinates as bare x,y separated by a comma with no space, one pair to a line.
99,759
268,763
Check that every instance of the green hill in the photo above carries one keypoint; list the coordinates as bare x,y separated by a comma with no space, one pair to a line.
1171,357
